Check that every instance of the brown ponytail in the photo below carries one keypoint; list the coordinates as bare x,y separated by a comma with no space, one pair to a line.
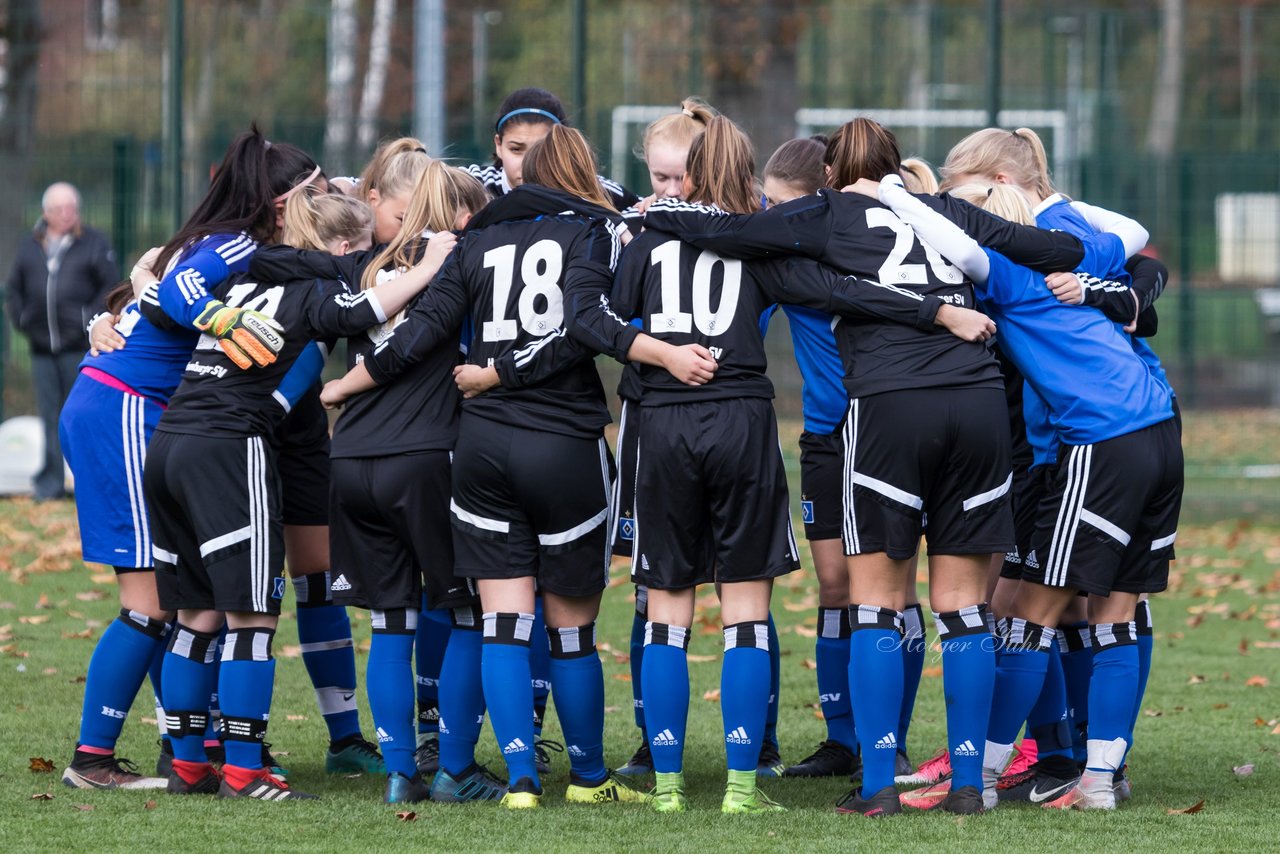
722,167
563,160
862,148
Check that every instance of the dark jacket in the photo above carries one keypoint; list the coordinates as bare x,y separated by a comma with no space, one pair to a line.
53,309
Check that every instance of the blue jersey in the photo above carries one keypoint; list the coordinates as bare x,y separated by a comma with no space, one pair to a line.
823,396
1079,363
183,293
153,359
1061,215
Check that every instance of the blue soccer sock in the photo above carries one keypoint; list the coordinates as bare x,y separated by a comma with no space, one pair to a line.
1019,678
245,682
832,656
1111,694
462,693
324,633
430,643
119,665
638,619
875,684
154,671
968,677
508,689
744,692
913,647
1077,672
578,678
775,684
189,678
539,668
389,682
666,693
1146,641
1049,721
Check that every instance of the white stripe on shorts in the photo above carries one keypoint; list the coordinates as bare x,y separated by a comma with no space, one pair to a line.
481,522
1064,529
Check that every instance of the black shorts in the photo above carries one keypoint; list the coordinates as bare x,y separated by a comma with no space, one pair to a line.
821,485
1109,521
622,521
711,495
1029,487
389,533
944,453
529,503
215,523
302,445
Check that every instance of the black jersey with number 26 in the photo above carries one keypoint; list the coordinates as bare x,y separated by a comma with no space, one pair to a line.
858,236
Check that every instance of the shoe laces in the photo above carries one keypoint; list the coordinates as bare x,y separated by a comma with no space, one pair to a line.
1009,781
831,748
848,797
643,755
365,746
542,745
938,764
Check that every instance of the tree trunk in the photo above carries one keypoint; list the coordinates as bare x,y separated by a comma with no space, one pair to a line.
24,32
755,86
1166,101
375,76
340,84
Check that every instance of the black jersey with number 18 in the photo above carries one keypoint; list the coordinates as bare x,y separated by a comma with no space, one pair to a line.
509,274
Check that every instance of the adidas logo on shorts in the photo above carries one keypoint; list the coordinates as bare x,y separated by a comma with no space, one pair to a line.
383,736
738,736
1031,561
665,739
340,583
1013,557
966,748
644,563
887,742
515,746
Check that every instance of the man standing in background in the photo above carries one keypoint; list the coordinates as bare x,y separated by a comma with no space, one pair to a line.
59,280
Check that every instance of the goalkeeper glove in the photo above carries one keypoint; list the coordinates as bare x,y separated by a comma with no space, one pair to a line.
248,338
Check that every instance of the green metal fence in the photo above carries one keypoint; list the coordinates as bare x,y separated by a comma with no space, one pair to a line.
97,114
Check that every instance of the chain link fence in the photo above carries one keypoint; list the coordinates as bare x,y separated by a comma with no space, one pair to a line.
1162,110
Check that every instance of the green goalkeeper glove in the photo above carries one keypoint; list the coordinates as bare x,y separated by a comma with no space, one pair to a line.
249,338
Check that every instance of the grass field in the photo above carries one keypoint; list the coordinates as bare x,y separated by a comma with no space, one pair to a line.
1209,731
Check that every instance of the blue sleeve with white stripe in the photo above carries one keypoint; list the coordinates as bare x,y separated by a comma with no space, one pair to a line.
302,375
184,290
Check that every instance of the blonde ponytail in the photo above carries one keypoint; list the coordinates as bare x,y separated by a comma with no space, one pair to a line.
314,219
677,129
394,168
918,177
440,194
1004,200
722,168
990,152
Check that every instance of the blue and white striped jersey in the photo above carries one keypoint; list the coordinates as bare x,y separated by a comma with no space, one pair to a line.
153,358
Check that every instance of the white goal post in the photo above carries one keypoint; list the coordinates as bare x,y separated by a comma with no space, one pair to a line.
813,119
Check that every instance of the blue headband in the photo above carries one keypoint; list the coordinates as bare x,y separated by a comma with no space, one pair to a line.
502,121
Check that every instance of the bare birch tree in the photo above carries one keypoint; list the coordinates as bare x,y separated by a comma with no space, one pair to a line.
340,81
375,76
